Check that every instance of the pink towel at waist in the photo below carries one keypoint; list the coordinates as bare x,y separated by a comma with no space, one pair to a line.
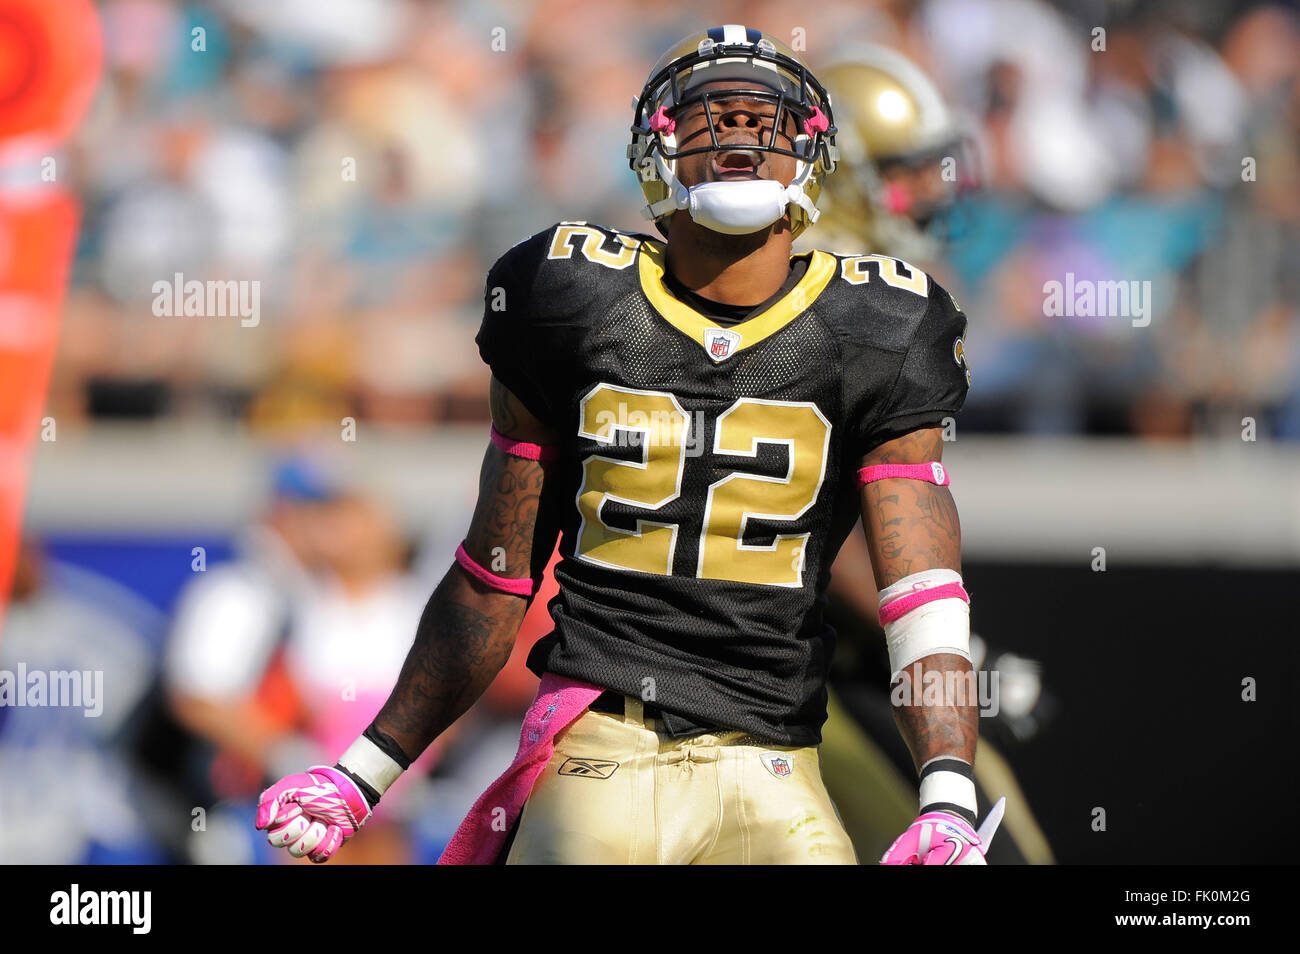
478,841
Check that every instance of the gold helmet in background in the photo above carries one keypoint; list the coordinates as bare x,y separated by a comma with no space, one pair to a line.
903,157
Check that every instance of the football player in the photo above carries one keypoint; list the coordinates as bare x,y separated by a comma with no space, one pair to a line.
701,420
906,158
904,162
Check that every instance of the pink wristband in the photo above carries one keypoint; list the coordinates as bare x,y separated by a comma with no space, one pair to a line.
905,604
522,448
933,472
506,584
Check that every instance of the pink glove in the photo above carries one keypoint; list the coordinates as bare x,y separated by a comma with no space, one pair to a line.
312,813
936,838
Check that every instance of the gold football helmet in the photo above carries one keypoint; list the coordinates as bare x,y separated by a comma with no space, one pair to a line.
904,157
731,52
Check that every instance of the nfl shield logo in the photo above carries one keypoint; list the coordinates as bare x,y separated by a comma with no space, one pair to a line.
721,343
780,764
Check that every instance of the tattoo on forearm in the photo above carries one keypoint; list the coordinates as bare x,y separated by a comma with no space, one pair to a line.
468,628
463,640
933,730
912,525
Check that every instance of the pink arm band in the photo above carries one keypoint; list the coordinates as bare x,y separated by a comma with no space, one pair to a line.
933,472
506,584
896,608
522,448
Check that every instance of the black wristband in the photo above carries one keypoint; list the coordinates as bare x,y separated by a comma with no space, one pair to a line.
368,793
951,809
388,745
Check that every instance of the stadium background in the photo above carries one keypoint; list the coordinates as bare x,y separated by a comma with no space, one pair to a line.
472,125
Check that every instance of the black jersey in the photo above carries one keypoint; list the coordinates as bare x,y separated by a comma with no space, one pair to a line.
708,471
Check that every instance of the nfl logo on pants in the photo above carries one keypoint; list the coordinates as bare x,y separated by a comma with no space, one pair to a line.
780,764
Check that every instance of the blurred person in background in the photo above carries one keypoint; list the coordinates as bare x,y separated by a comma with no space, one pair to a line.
70,790
232,618
223,666
1233,349
908,160
345,646
906,163
274,656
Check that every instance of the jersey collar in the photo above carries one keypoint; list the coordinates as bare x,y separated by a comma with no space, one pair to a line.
722,341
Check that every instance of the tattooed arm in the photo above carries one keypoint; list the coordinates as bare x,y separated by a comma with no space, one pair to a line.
912,525
468,628
463,639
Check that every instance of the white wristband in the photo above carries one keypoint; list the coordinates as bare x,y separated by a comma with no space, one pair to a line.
939,626
948,782
371,764
949,788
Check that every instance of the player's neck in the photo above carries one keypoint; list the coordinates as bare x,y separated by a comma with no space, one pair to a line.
729,269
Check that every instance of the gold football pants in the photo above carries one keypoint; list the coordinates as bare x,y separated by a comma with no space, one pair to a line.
618,791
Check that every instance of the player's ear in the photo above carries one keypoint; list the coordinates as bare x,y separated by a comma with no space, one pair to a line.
513,420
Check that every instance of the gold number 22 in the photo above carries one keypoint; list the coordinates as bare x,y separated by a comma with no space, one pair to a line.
662,428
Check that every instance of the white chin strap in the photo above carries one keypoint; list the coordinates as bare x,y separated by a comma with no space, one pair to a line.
737,208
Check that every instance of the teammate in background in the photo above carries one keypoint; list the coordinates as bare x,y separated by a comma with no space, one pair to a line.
904,162
905,159
702,421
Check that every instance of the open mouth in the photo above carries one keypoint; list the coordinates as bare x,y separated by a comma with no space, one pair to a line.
736,163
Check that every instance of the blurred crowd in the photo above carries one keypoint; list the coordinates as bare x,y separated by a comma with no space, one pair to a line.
367,160
269,653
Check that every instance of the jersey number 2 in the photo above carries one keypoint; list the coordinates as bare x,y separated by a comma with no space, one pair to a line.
662,428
